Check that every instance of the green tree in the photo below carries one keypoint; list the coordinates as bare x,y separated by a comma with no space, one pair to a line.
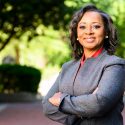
20,16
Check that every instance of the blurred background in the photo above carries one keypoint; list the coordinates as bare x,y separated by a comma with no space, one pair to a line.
34,43
34,40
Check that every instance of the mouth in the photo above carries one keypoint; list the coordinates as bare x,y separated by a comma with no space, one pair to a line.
89,39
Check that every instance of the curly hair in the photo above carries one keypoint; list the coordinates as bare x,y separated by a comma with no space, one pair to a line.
110,43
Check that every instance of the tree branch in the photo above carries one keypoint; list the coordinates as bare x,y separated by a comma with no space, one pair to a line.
7,41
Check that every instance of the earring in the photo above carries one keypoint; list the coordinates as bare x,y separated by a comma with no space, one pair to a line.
77,39
106,37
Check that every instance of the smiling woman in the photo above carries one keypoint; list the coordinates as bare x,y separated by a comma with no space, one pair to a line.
90,87
91,32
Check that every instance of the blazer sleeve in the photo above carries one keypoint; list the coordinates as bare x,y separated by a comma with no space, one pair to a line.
110,90
50,110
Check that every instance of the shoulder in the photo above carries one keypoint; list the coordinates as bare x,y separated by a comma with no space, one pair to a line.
113,60
70,66
70,63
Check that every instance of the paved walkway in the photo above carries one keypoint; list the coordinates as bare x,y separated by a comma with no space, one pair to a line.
25,114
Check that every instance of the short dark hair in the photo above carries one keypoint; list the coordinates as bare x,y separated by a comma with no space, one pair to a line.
110,43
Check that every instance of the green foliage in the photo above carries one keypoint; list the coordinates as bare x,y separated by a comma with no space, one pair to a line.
20,16
33,24
17,78
55,49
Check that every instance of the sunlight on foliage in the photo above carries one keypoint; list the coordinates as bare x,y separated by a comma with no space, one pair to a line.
45,50
39,37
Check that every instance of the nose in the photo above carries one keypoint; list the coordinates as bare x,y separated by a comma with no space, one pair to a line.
89,30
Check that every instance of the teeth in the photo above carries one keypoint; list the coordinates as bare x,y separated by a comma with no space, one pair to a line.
89,39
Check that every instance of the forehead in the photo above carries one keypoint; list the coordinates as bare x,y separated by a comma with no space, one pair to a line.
91,17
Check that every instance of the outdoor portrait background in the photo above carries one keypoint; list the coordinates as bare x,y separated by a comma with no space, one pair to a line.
36,32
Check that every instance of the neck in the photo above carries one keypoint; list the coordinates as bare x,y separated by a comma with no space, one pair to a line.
90,52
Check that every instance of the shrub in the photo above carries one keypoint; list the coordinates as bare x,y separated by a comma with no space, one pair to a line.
17,78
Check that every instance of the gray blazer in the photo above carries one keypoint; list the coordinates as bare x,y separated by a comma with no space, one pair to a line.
79,106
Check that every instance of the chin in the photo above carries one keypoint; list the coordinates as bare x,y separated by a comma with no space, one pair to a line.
90,47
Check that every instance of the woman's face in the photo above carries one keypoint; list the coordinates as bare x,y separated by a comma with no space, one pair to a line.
90,31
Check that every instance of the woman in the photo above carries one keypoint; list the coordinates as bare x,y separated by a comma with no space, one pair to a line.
89,89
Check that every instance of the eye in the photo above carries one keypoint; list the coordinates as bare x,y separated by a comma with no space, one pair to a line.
82,27
96,26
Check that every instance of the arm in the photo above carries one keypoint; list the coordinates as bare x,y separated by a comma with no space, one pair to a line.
110,90
50,110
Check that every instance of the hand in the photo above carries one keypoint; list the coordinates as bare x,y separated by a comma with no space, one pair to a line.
55,99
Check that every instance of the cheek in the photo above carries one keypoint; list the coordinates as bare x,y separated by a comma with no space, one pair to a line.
101,35
80,33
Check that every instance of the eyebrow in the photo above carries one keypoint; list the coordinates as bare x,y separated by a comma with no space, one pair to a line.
92,23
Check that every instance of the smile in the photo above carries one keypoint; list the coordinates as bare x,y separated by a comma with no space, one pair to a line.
89,39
